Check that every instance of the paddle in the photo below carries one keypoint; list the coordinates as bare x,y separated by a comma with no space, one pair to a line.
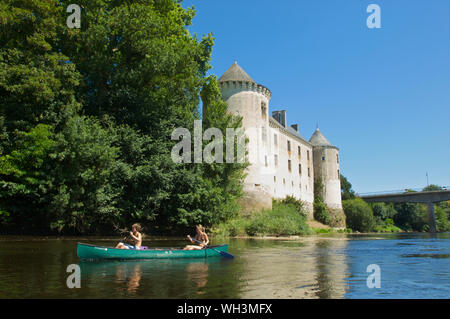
224,254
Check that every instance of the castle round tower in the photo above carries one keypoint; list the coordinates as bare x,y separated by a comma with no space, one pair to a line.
250,100
326,168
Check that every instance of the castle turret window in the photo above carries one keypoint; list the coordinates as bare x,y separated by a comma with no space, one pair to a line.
309,172
299,151
300,169
289,146
275,160
275,139
265,159
289,166
307,155
337,158
263,110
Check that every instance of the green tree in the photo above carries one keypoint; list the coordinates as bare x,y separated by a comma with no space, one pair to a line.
320,209
359,215
110,96
24,182
37,84
411,216
383,211
83,196
432,187
346,189
442,219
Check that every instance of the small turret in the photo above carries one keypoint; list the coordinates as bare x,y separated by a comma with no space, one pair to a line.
326,168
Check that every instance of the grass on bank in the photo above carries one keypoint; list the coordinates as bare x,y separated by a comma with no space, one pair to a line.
284,219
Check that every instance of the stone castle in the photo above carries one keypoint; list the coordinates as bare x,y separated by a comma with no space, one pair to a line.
282,162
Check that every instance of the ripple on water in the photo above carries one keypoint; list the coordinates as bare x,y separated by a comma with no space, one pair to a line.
427,255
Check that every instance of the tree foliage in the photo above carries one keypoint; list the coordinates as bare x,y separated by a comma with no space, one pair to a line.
86,118
346,189
320,210
359,215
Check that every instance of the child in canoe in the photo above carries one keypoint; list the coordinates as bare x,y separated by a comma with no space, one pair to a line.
136,237
201,237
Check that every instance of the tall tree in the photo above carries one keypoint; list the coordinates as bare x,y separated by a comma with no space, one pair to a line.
346,189
111,94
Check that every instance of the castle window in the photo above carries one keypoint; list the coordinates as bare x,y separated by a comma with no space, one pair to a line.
300,169
265,158
289,165
299,151
309,172
307,155
275,139
339,175
292,183
264,135
284,181
275,157
337,158
263,110
274,179
289,146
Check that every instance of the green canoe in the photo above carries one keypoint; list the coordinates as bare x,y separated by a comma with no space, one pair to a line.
87,251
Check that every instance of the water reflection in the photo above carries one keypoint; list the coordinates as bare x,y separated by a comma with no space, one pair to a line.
313,268
132,279
198,273
128,277
331,265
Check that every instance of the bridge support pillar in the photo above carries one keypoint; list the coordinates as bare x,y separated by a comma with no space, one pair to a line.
431,218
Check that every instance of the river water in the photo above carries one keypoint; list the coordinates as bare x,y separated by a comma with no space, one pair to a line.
411,266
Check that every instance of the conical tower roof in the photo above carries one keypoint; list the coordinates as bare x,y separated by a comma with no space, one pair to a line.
319,140
235,73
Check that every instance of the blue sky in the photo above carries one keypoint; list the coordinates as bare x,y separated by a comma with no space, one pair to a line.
381,95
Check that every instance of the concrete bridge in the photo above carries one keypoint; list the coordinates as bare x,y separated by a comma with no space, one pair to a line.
430,198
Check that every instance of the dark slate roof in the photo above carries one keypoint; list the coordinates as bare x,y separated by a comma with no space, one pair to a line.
235,73
319,140
289,129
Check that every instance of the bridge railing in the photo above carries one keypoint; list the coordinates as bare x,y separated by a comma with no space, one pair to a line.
444,188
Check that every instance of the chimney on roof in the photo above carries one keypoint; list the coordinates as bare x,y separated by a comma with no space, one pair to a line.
295,127
280,116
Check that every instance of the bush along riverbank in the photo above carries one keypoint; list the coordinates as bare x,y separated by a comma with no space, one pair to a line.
286,218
